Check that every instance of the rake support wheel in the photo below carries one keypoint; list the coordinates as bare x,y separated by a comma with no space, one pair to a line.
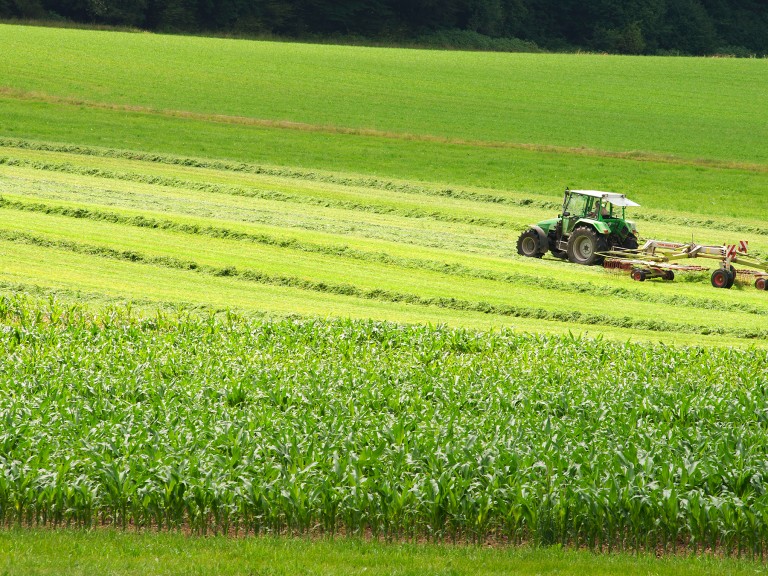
722,278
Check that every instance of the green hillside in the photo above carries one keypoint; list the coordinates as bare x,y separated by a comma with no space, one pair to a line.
694,108
680,134
268,288
392,184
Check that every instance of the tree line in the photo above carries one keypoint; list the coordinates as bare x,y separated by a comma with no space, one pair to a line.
698,27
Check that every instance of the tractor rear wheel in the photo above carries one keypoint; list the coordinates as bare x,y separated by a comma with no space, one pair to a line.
583,245
529,244
722,278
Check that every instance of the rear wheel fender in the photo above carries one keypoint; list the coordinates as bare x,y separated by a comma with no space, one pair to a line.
543,238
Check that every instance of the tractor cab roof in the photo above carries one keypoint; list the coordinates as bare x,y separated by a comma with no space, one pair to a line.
612,197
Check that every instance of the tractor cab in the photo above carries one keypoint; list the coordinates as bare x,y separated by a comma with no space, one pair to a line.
575,207
593,205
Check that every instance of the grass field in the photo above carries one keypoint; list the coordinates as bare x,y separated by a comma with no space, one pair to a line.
684,138
263,239
190,179
76,553
695,108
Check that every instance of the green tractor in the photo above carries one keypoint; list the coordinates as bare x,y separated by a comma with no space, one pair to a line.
591,222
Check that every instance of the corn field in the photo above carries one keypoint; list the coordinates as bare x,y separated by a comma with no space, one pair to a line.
225,424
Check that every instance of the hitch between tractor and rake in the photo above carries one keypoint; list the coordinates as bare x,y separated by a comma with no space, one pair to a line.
655,258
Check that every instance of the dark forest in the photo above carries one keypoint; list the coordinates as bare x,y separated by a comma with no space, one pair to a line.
696,27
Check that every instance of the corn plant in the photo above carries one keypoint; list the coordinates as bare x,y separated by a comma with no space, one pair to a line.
224,424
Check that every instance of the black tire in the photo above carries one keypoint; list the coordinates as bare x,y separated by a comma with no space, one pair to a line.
529,244
583,245
721,278
638,275
630,242
669,275
731,277
761,284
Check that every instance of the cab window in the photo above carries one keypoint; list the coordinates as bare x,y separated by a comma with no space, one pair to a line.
577,205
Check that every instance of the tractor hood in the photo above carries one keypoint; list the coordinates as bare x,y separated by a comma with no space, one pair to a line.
548,225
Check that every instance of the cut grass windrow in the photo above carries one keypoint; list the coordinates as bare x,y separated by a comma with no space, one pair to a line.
207,226
312,176
450,269
273,195
329,223
381,295
100,301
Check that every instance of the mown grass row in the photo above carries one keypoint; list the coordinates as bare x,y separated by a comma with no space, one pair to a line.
273,195
84,197
474,215
452,269
292,173
217,423
383,295
242,217
531,201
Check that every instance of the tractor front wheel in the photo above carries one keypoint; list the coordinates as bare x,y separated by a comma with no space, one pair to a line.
529,244
583,245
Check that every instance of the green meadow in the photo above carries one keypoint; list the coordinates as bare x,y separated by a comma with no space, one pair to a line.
42,552
290,199
694,108
272,240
